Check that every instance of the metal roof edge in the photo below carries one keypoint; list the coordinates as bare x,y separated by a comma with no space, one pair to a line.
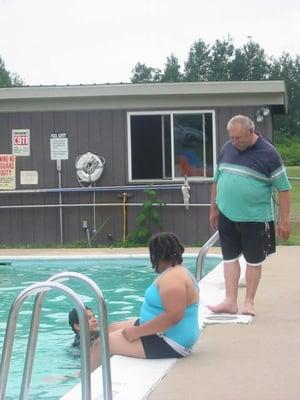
143,89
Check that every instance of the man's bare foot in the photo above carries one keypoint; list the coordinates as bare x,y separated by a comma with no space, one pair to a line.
248,309
224,307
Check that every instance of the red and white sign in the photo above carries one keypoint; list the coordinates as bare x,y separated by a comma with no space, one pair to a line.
21,142
7,172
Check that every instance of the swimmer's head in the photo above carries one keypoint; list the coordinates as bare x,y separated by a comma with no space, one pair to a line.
74,321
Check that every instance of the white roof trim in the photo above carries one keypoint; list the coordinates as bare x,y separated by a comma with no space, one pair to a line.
187,88
125,96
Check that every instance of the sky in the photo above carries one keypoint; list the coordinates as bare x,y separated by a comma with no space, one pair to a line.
59,42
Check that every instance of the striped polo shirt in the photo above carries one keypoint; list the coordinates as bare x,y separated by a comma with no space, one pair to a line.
246,179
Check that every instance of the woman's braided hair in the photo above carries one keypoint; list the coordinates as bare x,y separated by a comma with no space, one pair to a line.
165,246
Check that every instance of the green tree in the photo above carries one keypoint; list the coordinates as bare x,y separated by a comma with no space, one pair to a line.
221,58
250,63
143,74
7,78
16,80
197,66
171,71
288,69
223,62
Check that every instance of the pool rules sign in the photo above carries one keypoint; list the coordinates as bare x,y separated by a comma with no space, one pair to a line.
59,148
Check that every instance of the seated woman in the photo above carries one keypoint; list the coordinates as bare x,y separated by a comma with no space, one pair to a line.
74,324
168,324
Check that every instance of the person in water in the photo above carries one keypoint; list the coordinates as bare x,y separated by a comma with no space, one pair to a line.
168,324
74,324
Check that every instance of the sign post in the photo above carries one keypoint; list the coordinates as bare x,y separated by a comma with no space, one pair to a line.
59,150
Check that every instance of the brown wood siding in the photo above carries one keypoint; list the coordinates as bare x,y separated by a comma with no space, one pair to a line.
103,132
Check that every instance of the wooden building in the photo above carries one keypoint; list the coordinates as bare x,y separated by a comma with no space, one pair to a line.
148,134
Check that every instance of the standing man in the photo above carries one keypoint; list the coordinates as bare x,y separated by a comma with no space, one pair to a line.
248,169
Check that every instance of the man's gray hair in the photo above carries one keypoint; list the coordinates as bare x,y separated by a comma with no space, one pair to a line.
242,120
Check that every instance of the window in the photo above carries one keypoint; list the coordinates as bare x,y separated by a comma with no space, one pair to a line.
170,145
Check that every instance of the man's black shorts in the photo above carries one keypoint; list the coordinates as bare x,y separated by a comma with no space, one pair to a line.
255,240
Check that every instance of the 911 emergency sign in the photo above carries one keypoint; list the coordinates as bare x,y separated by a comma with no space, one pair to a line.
21,142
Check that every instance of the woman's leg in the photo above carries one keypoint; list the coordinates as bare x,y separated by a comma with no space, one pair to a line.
118,345
121,324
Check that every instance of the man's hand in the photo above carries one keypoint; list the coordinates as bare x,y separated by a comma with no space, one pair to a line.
213,217
283,229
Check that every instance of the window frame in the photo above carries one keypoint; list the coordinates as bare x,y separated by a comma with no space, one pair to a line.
171,113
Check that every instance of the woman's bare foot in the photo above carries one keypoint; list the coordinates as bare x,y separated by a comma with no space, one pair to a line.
248,309
224,307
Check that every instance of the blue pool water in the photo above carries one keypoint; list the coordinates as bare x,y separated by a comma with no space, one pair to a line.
122,282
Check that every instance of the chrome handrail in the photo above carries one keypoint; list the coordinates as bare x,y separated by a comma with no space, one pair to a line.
103,334
42,288
200,262
103,324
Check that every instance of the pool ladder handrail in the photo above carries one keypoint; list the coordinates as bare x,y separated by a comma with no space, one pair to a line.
84,337
41,288
200,262
102,323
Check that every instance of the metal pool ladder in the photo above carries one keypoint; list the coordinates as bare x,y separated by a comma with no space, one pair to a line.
40,290
200,262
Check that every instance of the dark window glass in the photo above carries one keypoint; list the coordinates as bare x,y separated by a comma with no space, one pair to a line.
151,146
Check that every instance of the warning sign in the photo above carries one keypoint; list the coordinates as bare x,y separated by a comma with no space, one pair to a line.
59,148
7,172
21,142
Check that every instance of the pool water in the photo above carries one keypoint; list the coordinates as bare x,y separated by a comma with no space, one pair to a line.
122,282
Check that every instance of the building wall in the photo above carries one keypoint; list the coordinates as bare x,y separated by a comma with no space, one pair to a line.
103,133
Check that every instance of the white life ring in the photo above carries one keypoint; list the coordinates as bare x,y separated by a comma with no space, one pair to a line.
89,167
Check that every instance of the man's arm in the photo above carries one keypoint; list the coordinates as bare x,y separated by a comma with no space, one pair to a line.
283,226
213,214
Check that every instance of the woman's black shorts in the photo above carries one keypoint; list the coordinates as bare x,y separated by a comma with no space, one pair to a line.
155,346
255,240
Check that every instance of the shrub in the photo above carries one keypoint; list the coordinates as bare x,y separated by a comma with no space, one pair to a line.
146,218
289,149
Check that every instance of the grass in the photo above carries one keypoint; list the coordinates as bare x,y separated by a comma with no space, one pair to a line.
294,238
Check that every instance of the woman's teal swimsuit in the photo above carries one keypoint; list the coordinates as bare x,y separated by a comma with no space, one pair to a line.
186,332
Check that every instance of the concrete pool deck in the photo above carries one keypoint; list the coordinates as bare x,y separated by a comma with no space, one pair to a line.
257,361
86,251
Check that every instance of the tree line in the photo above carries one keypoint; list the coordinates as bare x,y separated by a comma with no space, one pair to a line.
221,61
7,78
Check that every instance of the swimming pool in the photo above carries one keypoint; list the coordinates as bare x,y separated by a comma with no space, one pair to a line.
122,281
